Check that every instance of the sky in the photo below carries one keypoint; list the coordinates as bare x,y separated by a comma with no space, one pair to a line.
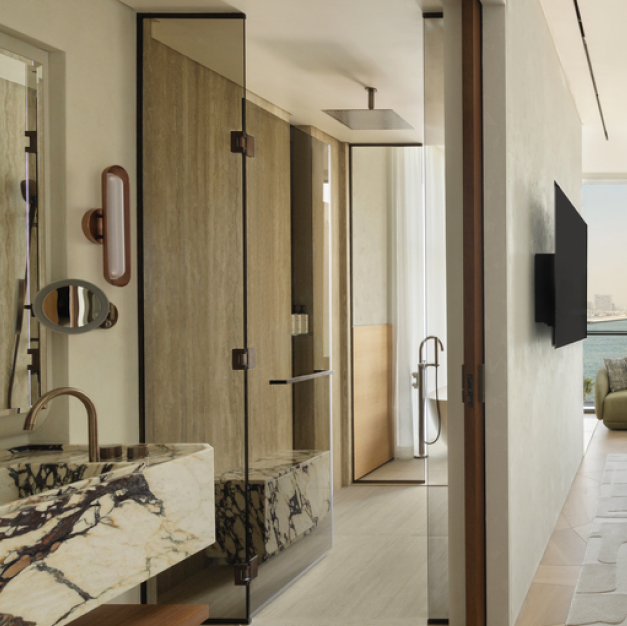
605,212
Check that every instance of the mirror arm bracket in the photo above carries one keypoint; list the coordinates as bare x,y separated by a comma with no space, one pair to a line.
35,365
112,317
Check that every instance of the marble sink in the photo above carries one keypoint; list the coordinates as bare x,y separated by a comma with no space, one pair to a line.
75,534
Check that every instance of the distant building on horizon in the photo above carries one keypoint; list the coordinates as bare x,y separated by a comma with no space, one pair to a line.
603,302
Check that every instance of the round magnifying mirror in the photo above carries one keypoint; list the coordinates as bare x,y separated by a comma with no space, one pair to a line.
72,306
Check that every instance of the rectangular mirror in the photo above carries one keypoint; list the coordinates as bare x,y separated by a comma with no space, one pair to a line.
21,87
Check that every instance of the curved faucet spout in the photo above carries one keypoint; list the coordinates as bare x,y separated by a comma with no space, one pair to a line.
92,420
437,341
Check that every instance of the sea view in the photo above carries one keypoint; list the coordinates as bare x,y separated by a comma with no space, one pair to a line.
595,349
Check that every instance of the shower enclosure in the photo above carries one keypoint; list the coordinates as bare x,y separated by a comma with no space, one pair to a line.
235,301
399,320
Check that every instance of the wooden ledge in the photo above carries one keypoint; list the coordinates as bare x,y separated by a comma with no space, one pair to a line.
145,615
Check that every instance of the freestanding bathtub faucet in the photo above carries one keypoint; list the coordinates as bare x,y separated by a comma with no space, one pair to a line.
420,383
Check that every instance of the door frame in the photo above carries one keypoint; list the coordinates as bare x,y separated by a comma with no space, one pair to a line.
351,310
473,314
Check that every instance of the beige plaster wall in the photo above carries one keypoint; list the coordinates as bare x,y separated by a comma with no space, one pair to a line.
533,411
91,125
371,236
90,119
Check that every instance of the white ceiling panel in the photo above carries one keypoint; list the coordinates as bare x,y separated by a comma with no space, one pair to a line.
604,25
308,56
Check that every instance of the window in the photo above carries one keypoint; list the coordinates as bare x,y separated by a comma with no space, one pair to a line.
605,211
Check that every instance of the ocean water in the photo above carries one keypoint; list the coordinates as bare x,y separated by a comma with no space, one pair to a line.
595,349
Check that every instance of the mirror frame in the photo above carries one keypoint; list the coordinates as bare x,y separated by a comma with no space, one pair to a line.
38,345
70,282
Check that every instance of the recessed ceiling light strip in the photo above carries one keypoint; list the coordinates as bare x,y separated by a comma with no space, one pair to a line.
594,82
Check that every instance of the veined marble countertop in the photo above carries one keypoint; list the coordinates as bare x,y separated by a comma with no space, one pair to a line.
66,453
273,466
290,495
75,534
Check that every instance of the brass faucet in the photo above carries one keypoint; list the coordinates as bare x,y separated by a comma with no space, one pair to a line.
92,422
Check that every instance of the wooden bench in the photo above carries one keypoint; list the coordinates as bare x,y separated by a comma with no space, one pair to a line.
145,615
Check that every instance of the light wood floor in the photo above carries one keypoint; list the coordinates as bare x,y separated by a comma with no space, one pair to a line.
437,464
377,571
398,469
551,591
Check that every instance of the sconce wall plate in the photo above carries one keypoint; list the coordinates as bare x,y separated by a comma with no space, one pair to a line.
111,225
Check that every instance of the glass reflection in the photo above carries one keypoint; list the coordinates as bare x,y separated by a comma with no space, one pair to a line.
193,93
72,306
20,92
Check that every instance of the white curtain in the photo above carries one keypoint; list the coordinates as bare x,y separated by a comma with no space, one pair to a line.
435,284
407,280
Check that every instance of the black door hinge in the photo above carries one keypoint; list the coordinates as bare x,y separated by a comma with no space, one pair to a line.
244,359
242,143
470,392
246,572
468,386
32,135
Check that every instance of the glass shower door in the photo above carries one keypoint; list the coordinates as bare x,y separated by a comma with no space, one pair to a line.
436,321
192,225
235,217
288,316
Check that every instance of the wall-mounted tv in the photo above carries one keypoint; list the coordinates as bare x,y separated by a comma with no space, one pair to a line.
561,279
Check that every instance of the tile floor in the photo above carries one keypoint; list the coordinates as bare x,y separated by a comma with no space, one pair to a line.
370,577
551,591
377,571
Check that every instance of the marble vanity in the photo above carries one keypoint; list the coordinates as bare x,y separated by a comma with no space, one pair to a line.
75,534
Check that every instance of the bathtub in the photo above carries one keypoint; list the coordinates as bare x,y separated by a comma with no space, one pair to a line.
433,412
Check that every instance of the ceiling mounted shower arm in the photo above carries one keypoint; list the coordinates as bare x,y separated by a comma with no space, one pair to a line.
370,118
371,91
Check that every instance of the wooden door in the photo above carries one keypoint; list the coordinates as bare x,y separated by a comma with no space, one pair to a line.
373,427
474,418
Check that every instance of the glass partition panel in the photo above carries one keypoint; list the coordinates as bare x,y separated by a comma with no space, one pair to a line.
192,226
436,427
604,211
289,418
392,361
388,313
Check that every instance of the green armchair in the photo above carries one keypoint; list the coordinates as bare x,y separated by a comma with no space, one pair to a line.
611,407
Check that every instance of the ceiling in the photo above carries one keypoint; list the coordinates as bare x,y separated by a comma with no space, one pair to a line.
604,25
308,56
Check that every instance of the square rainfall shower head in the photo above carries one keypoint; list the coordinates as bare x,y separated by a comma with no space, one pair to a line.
370,119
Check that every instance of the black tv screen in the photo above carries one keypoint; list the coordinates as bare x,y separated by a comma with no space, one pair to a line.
571,272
